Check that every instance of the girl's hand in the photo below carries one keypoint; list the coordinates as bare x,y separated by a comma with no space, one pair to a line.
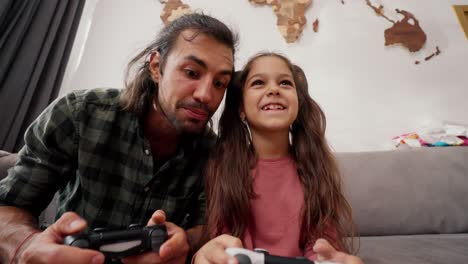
214,251
325,251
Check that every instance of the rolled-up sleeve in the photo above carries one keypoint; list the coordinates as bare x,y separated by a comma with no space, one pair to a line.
47,160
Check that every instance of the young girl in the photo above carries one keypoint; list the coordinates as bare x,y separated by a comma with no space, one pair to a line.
272,181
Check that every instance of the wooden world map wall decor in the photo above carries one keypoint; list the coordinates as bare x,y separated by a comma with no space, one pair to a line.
291,20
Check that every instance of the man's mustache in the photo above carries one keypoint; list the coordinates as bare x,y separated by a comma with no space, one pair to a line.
195,104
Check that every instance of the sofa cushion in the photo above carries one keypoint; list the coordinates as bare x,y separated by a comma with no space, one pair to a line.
417,191
417,249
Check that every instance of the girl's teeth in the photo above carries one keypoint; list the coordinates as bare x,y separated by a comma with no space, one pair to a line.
273,107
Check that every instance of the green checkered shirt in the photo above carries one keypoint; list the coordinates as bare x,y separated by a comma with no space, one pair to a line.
94,153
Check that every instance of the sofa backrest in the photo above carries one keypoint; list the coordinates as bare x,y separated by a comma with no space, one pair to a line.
402,192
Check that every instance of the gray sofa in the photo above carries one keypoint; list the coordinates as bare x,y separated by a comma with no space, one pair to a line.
410,206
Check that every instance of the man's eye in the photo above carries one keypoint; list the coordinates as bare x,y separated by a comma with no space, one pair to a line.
219,84
191,73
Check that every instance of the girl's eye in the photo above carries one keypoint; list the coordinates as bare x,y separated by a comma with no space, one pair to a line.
286,83
257,82
191,73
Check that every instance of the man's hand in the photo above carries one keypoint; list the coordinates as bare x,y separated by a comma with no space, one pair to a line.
214,252
325,251
46,247
173,251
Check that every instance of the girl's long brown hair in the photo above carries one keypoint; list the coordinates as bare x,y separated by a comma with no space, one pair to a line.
230,185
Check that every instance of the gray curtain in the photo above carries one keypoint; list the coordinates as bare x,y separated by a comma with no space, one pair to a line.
36,37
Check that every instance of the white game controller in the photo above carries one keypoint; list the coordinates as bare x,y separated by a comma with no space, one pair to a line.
260,256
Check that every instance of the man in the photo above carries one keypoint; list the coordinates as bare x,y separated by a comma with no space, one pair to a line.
116,157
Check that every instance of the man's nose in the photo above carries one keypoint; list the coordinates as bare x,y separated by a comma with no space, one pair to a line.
203,92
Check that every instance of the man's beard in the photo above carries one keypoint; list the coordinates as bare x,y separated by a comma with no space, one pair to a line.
183,129
179,125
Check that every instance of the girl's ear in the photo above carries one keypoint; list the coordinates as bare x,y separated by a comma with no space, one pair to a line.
242,115
154,66
241,112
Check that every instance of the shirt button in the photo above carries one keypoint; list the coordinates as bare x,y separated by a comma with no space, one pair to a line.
146,189
147,152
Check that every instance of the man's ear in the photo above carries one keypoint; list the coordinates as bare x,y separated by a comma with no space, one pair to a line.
154,66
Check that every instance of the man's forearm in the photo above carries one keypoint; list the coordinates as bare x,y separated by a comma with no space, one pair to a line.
15,225
195,238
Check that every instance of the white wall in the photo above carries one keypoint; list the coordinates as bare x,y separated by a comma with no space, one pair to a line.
369,92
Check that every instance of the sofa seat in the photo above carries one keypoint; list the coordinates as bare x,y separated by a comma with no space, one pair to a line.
415,249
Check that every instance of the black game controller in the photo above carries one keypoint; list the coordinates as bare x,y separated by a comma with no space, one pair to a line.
121,243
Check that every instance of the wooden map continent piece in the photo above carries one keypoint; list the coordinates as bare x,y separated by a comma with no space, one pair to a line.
290,16
436,53
315,25
173,9
410,35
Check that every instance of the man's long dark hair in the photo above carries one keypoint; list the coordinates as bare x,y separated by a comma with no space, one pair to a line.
230,185
139,86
